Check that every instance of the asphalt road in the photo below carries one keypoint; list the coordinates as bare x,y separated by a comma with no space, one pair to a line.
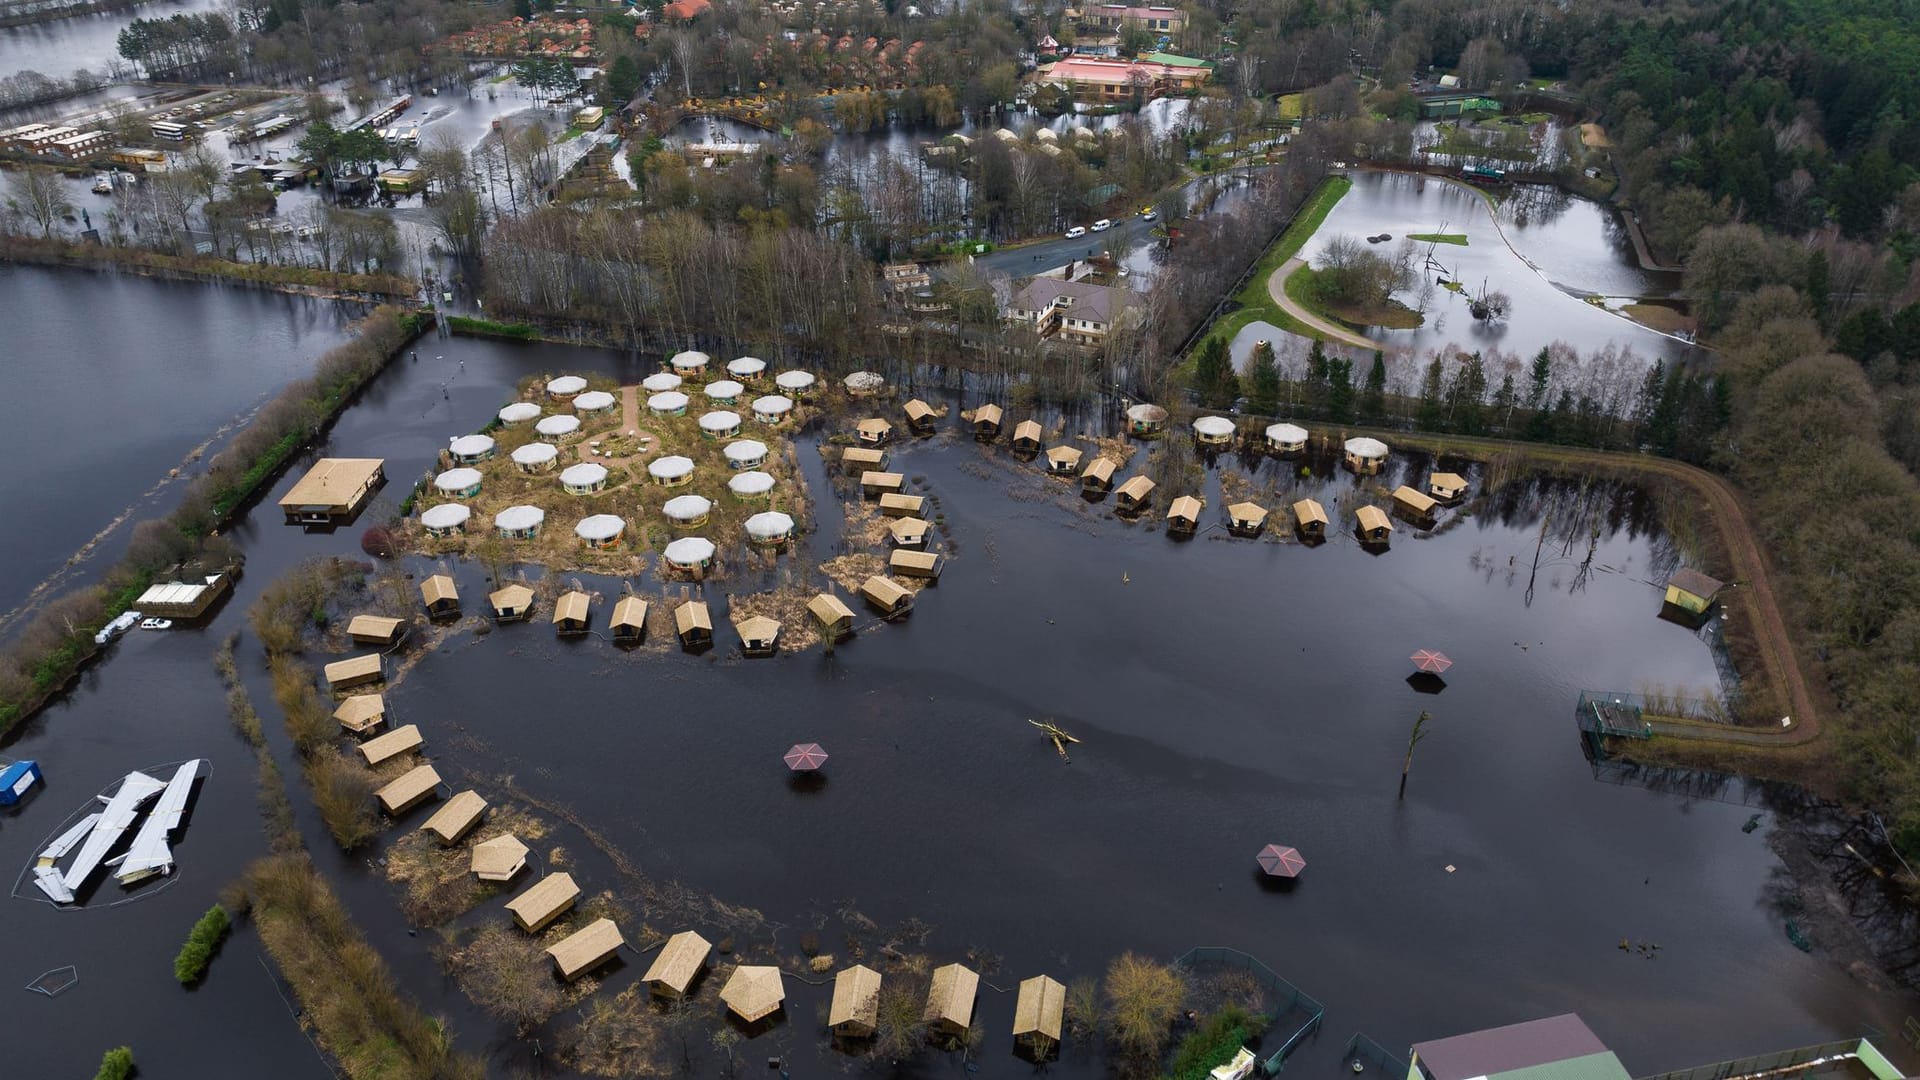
1126,234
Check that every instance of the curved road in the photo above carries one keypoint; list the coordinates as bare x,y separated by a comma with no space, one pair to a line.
1127,233
1330,331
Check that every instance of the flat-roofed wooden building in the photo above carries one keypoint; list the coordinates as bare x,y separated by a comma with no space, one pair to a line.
586,948
754,992
456,817
886,594
1691,591
500,858
409,790
1027,437
549,898
511,602
909,532
1373,525
1310,519
374,629
629,622
401,740
950,999
759,635
570,613
440,596
333,490
855,1012
873,431
1415,504
862,459
679,962
1097,476
693,623
362,713
1134,494
1183,515
920,415
1063,460
1447,487
986,422
833,615
1037,1015
363,670
915,564
1246,518
896,504
879,483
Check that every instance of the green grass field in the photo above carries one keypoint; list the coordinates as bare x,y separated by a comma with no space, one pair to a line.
1439,238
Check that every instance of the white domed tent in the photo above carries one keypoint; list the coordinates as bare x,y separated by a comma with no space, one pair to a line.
593,401
519,412
535,456
772,409
1286,438
720,424
769,527
519,522
746,368
690,362
687,510
724,392
1365,455
565,386
600,530
584,478
446,519
750,485
660,382
459,483
865,384
1213,431
795,381
670,471
668,403
689,554
469,449
558,427
1146,419
746,453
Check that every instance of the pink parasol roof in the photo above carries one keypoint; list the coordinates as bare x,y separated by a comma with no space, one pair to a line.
806,757
1281,861
1431,660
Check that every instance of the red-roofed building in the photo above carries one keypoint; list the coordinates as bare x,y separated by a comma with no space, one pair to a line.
1093,79
683,10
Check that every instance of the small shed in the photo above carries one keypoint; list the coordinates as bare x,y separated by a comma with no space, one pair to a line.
1414,503
461,483
1097,476
920,415
678,963
746,453
671,471
470,449
797,383
565,387
1373,524
629,621
688,511
754,992
519,413
584,478
593,401
1310,518
354,671
880,482
1246,518
689,363
1183,516
374,629
535,457
446,519
860,458
894,504
724,391
667,403
694,625
16,778
549,898
833,615
950,1000
382,749
498,859
720,424
689,555
570,613
1145,421
1365,456
1133,494
759,635
769,527
362,713
887,595
586,948
564,426
1447,487
986,422
456,817
864,384
660,382
1027,436
909,532
511,602
773,409
412,788
873,431
333,490
915,564
746,368
753,484
1286,438
1692,591
1063,460
855,1012
1037,1015
1213,432
440,596
519,522
601,530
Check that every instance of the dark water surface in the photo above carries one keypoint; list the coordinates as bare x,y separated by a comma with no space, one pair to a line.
1229,694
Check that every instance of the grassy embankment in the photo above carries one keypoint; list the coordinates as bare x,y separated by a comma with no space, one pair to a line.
461,324
54,252
1305,287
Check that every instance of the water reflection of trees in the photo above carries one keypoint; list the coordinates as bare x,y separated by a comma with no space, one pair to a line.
1534,204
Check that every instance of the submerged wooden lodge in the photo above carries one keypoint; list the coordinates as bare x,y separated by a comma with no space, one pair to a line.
333,491
915,564
694,624
1373,525
1310,519
1038,1012
920,416
759,635
1027,436
1063,460
862,459
498,859
411,789
1183,516
374,629
384,748
629,622
1447,487
1246,518
1097,477
754,992
456,817
679,962
895,504
361,713
1134,494
440,596
1416,505
511,603
354,671
886,594
855,1012
833,615
986,422
570,613
551,897
950,999
1690,592
586,948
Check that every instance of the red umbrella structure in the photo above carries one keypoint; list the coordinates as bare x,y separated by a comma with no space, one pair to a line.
1431,661
1281,861
806,757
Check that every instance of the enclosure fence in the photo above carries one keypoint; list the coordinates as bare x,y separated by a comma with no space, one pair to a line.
1290,996
1363,1053
1826,1059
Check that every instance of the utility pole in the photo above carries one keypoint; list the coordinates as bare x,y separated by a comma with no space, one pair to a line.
1413,739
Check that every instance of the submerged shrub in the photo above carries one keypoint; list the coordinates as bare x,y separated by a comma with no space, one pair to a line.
197,953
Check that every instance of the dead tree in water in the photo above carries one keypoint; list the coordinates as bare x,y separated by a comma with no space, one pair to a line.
1413,739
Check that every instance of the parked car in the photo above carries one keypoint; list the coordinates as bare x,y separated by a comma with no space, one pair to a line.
121,623
156,624
1147,214
1076,232
1102,225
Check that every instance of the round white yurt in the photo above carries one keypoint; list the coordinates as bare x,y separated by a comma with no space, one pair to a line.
865,384
519,412
1213,431
724,392
773,409
746,453
668,403
1146,419
660,382
535,456
670,471
720,424
689,553
770,527
601,530
584,478
558,427
750,485
459,483
690,362
519,522
470,449
1365,455
565,386
446,519
746,368
687,510
593,401
1286,438
794,382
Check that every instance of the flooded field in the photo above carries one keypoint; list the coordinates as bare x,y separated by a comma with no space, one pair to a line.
1228,694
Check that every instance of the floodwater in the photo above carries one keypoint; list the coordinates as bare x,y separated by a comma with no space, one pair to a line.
112,381
1227,694
92,42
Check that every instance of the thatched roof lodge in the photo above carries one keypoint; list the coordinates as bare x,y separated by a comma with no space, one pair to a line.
456,817
688,555
1145,421
861,459
511,602
915,564
629,621
909,532
894,504
887,595
498,859
362,713
1246,518
1447,487
460,483
754,992
1365,456
833,615
374,629
384,748
690,363
600,530
354,671
1027,436
872,482
986,422
1183,517
1133,494
678,963
440,595
1097,476
411,789
920,415
873,431
519,522
550,897
445,519
950,1000
1037,1014
1414,503
855,1012
535,457
1214,432
693,623
671,471
333,490
759,635
1063,460
586,948
687,511
1310,518
570,612
1373,524
864,384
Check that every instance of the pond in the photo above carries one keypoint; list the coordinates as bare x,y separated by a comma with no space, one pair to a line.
63,46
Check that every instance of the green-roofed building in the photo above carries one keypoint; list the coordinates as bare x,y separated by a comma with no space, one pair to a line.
1172,60
1556,1048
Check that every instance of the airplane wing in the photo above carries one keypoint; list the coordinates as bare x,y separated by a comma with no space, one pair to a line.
116,818
150,852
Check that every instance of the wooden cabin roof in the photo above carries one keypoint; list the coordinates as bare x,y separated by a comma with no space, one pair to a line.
511,598
1039,1008
586,947
373,626
873,478
629,611
829,608
1309,510
571,607
757,628
548,897
1372,518
856,1000
1186,508
860,455
456,817
893,500
499,858
405,790
1413,499
1247,513
883,591
1099,468
1136,488
909,529
950,999
754,991
1064,457
873,427
391,745
678,961
918,410
437,588
1447,480
1693,581
354,667
333,482
1028,431
692,615
903,559
360,712
987,414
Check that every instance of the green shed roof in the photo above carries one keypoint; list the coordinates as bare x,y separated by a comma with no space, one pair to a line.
1173,60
